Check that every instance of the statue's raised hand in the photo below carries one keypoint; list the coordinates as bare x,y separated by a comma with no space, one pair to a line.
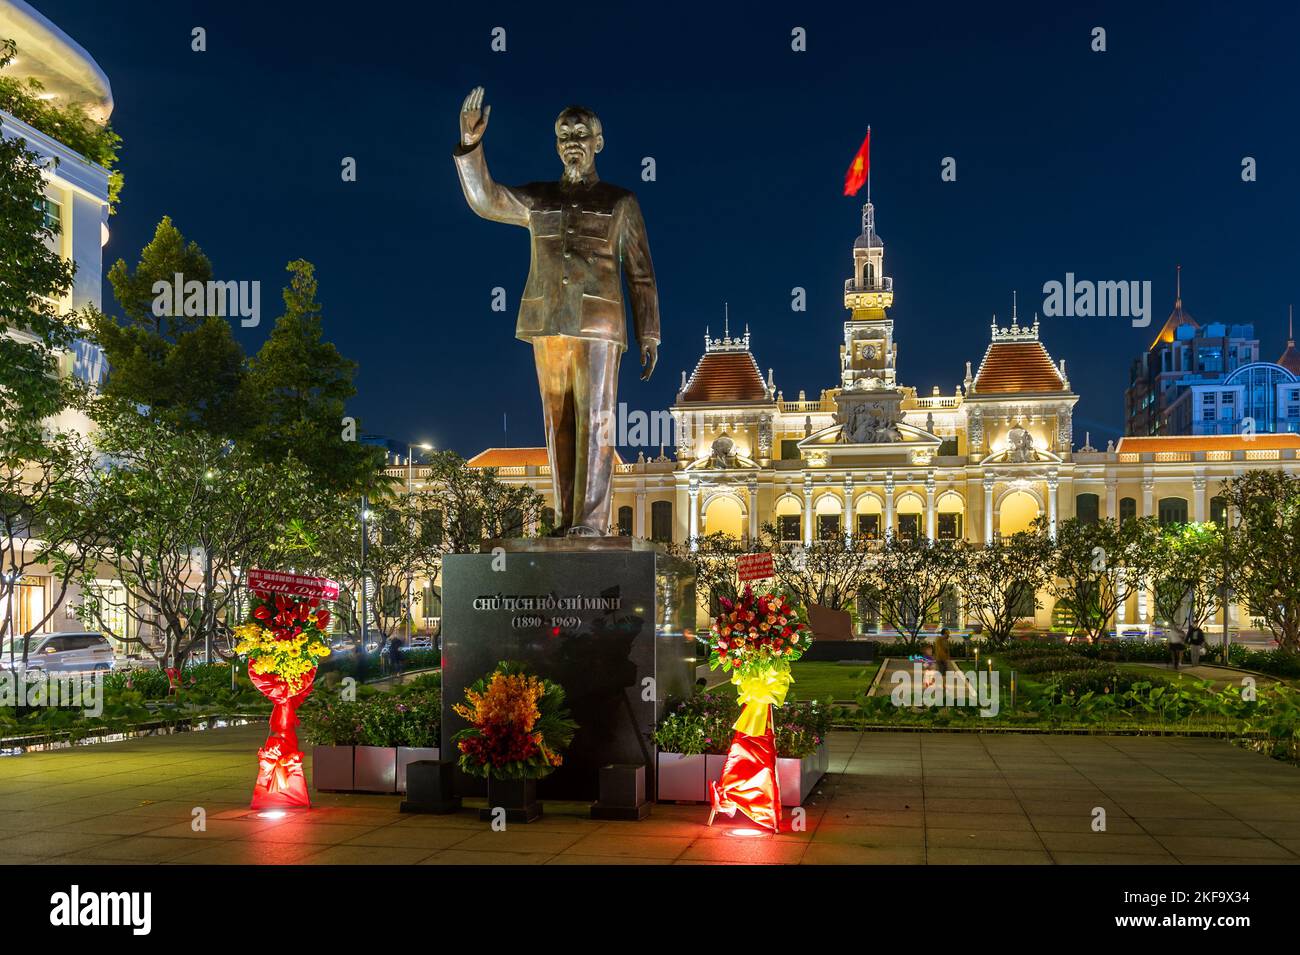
473,118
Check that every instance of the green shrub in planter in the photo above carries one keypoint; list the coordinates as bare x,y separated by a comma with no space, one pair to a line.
410,717
702,724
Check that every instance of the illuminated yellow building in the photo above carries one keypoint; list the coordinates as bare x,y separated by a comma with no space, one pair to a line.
870,456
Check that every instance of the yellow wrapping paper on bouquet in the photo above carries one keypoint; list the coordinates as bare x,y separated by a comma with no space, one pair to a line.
757,692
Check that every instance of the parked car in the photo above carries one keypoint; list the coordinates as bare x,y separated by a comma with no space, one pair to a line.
420,641
62,652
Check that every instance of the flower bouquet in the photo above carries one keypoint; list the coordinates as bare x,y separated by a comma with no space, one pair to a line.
518,730
282,644
755,638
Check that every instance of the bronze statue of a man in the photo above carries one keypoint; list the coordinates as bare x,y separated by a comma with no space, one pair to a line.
586,236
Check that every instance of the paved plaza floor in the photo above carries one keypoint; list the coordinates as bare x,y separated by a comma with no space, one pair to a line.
891,798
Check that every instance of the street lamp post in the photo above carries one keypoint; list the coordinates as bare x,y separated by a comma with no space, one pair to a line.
365,514
410,572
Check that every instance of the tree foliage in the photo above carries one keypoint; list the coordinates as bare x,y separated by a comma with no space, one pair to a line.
907,579
1096,567
1264,549
32,278
183,516
1188,573
1000,581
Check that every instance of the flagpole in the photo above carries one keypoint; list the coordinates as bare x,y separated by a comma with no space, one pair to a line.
868,165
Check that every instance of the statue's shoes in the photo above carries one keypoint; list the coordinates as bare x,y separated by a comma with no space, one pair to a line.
582,530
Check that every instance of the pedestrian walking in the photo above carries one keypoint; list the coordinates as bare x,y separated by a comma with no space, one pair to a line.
942,652
1195,644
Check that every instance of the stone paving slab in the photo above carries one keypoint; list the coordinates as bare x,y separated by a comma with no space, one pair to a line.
890,799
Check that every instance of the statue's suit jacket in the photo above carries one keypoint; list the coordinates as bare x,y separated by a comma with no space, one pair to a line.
583,236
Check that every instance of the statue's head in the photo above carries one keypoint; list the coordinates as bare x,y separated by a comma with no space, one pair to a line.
577,139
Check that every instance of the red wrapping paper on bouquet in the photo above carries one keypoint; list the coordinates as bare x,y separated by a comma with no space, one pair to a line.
280,780
749,780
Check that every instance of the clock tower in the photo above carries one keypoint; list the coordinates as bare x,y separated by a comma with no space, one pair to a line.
868,354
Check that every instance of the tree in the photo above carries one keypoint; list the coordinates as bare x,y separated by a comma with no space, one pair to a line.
1264,550
477,506
830,572
1096,567
183,516
47,523
907,579
1001,579
186,371
1188,573
300,386
32,332
407,536
713,557
43,519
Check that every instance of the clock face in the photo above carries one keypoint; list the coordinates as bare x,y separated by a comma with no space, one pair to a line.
869,352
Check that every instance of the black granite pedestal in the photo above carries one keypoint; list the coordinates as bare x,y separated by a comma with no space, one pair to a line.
609,619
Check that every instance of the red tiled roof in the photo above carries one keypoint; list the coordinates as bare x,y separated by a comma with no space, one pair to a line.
725,376
1209,442
507,457
514,458
1014,367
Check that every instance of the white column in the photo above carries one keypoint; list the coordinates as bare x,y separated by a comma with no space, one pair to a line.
929,506
1121,611
849,517
693,508
1112,507
1053,486
988,510
1198,498
753,511
889,506
638,517
807,510
1146,604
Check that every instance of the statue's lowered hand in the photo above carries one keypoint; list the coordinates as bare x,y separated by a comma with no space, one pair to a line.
649,355
473,118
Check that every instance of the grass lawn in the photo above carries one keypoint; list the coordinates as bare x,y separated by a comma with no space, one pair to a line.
835,681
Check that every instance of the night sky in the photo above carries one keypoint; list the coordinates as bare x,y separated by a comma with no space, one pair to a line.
1113,166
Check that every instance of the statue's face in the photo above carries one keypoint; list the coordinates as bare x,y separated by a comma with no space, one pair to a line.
577,140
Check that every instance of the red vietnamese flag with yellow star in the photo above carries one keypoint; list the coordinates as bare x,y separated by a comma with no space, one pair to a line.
858,169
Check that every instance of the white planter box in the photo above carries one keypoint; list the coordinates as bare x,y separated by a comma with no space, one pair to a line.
798,776
713,766
374,769
331,768
681,778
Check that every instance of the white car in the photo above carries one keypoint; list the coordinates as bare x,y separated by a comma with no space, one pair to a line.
62,652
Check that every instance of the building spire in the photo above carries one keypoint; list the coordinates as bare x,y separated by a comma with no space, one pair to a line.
1290,325
1014,319
1178,287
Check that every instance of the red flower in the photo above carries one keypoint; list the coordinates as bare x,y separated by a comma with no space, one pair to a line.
322,619
261,613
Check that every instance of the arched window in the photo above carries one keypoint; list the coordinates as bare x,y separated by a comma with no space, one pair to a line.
625,522
1087,508
1219,510
1128,509
1172,510
661,521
